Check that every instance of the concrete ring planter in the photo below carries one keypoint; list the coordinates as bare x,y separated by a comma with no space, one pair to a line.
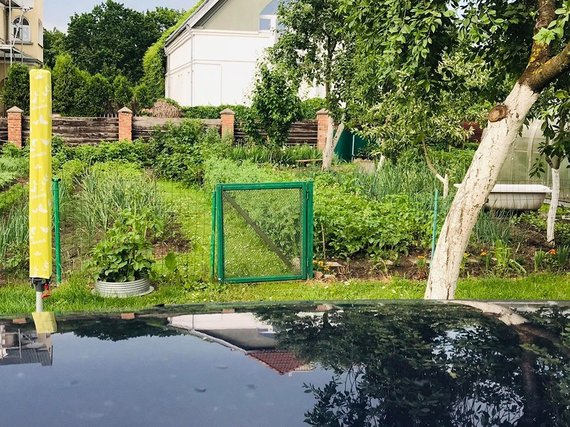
123,289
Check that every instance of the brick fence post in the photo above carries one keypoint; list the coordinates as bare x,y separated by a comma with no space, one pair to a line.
15,116
228,123
125,124
322,128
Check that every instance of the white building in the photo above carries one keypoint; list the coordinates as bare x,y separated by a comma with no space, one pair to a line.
212,57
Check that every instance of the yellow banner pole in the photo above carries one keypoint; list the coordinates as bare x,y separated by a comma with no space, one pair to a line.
40,213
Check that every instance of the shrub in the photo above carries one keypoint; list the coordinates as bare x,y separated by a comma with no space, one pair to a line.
94,98
275,103
67,81
16,90
179,151
211,111
310,107
142,98
122,93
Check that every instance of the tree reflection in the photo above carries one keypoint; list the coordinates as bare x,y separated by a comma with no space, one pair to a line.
428,365
108,329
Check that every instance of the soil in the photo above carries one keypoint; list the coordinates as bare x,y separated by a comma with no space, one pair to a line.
415,266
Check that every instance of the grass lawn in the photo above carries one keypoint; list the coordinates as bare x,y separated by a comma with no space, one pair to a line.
74,296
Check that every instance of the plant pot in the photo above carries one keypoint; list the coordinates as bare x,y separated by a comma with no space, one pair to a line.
123,289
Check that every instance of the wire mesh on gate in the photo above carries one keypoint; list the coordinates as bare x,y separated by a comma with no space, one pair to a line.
263,231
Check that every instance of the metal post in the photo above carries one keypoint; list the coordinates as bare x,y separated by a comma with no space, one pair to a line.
213,239
57,236
309,230
39,302
220,232
435,212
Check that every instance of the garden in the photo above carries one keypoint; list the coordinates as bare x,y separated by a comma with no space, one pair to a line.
144,209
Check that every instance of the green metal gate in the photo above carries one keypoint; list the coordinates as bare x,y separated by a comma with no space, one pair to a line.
262,232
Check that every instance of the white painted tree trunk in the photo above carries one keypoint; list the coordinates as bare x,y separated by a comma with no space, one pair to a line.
445,181
332,141
473,193
554,198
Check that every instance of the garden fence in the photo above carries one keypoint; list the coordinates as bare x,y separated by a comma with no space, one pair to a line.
263,232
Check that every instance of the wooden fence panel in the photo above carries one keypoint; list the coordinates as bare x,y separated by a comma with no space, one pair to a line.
143,127
3,130
80,130
300,133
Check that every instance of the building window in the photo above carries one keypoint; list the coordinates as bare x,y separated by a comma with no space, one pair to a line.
21,30
264,24
40,33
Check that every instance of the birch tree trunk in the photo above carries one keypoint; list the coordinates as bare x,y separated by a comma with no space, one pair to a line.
505,122
554,198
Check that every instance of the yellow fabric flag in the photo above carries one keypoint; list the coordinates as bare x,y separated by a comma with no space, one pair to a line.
40,175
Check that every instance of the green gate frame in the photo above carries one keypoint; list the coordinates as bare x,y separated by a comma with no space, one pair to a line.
217,258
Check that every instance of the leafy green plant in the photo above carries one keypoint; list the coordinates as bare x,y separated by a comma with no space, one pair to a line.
352,224
539,258
14,252
17,194
125,254
562,255
179,151
137,152
504,259
283,156
110,188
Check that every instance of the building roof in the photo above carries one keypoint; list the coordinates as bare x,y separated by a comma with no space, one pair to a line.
271,8
193,19
281,361
210,6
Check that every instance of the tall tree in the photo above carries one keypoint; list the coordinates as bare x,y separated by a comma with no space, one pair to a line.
402,43
154,61
111,39
54,45
163,18
313,46
67,82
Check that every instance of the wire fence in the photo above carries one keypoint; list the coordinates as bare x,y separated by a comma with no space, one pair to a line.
264,233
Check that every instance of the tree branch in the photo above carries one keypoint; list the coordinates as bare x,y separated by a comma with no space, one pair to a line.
542,69
540,53
550,70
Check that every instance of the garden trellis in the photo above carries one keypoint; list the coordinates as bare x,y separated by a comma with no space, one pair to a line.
262,232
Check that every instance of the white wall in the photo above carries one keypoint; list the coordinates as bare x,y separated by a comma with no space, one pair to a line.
214,67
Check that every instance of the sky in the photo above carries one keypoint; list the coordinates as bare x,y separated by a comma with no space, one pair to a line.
58,12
